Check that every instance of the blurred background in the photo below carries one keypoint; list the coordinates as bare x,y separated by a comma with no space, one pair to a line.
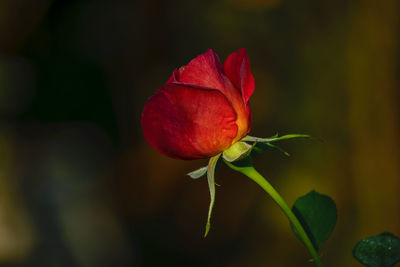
79,186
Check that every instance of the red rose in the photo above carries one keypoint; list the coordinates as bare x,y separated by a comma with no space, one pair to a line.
202,109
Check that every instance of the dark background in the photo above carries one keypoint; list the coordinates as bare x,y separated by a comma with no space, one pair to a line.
79,186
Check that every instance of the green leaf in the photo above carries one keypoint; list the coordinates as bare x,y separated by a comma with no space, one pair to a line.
211,185
382,250
317,214
198,173
236,151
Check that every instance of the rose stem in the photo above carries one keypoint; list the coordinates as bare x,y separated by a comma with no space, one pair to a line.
250,172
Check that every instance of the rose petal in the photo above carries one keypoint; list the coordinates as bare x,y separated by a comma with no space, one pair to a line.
237,69
189,122
204,70
249,118
173,77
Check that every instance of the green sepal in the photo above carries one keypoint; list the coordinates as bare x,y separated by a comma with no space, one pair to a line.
262,144
274,138
260,147
237,151
317,214
211,185
382,250
201,172
240,164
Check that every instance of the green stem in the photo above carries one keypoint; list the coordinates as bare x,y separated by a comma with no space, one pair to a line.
250,172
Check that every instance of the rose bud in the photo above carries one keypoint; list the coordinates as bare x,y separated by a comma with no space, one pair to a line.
202,109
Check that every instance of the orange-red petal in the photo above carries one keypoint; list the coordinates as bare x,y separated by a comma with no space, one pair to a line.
204,70
237,69
189,121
